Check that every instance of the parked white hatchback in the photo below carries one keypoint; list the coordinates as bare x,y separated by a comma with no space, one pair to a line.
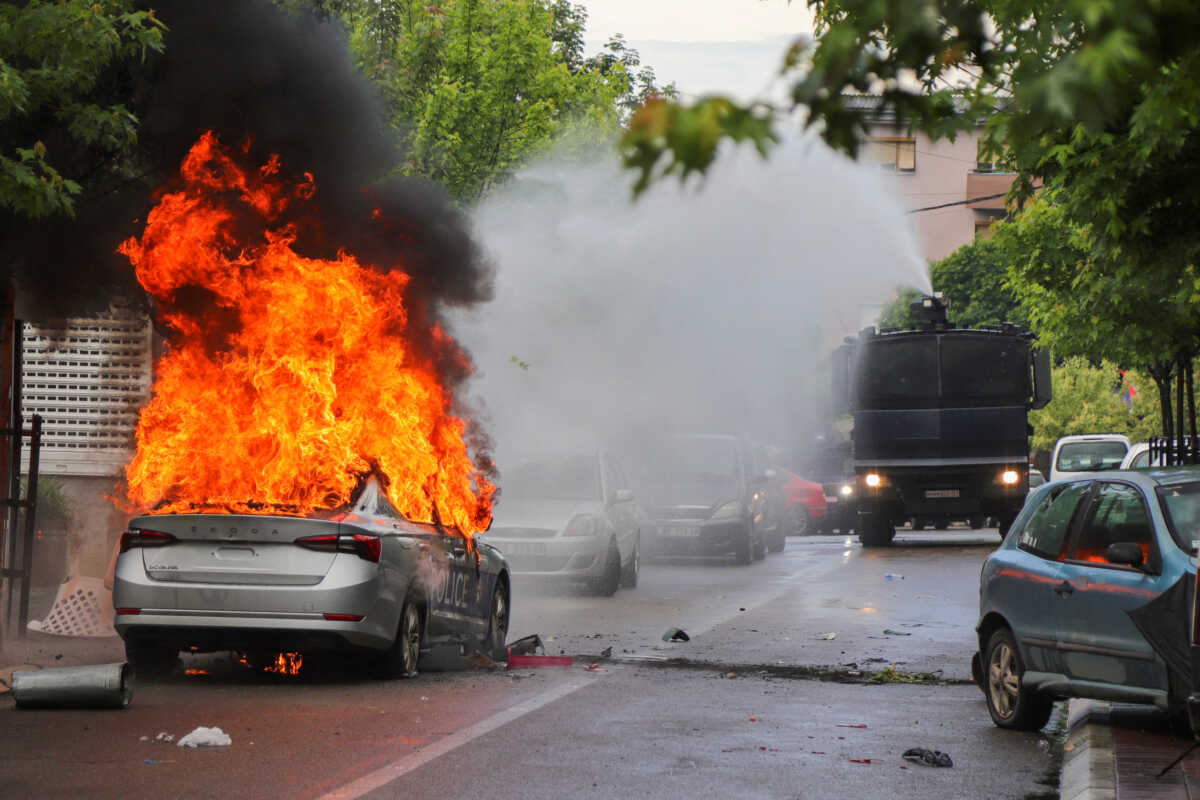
1093,452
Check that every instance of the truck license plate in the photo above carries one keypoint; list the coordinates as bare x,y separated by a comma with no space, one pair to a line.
940,493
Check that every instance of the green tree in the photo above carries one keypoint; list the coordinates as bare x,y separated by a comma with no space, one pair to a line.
65,120
1092,399
475,88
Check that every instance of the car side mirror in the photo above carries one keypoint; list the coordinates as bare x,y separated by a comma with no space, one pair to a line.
1124,553
623,496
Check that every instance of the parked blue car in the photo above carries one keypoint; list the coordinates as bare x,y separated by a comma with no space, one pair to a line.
1090,595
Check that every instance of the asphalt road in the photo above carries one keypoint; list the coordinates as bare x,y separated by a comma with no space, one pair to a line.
740,710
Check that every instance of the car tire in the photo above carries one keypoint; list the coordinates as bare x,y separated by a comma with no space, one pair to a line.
977,522
149,657
497,635
608,582
801,522
629,574
875,531
1010,704
400,660
777,543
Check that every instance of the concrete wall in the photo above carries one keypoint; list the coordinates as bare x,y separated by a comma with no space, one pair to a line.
95,525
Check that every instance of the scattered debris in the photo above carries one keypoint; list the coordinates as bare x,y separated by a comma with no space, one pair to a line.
890,632
206,737
159,761
860,761
730,675
595,668
852,724
100,686
606,652
930,758
6,675
143,738
892,576
828,637
527,645
676,635
163,736
754,719
480,660
515,660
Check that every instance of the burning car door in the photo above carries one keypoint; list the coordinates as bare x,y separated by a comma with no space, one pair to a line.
461,593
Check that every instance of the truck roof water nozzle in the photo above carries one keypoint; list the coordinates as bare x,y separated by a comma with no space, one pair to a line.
931,310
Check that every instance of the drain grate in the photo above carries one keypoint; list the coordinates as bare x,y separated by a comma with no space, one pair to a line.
82,607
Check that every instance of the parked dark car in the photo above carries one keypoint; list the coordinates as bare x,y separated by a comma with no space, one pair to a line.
709,495
1090,594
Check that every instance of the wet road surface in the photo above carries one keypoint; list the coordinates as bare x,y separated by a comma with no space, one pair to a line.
636,726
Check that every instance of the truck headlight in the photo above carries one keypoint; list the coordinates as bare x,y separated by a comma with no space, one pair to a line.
729,510
1009,477
873,480
846,490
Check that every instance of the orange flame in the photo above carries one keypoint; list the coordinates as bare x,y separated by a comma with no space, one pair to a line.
286,664
319,378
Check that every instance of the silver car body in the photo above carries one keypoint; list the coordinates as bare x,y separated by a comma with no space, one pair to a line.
554,539
235,581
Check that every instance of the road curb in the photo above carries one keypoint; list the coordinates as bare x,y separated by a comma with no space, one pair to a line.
1088,767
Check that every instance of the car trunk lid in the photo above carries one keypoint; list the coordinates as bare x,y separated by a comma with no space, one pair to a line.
236,548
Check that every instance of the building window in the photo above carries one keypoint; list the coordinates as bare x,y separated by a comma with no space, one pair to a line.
983,228
88,378
893,153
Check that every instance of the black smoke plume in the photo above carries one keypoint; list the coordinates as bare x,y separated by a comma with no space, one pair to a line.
287,86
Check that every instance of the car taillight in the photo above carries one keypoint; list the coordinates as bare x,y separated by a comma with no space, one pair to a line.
135,537
130,611
343,617
368,548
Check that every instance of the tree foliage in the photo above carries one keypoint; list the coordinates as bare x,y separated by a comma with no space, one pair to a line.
1095,399
65,94
474,88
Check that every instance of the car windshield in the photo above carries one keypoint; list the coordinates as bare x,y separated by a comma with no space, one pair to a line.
698,469
1090,456
572,478
1181,506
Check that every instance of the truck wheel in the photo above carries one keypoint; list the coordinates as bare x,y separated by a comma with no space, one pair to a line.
976,522
1005,523
875,531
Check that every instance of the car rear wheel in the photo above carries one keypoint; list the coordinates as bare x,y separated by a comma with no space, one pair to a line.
400,660
150,657
743,552
629,575
497,634
608,583
1011,704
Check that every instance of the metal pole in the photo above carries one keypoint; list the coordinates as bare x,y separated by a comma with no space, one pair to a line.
14,474
35,446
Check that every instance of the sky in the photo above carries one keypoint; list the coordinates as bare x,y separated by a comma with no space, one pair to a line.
705,46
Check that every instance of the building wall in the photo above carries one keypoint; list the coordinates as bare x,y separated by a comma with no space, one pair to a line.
942,172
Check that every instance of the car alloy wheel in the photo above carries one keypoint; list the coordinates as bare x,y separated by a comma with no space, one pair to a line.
497,635
1011,704
400,660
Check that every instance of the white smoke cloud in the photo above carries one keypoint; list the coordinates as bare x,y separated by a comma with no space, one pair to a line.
710,307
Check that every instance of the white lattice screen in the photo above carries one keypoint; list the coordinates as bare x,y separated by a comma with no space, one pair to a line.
88,378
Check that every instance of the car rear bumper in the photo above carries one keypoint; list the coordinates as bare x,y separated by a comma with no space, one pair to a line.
215,616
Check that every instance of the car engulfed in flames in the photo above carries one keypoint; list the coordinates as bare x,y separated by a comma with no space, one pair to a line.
303,478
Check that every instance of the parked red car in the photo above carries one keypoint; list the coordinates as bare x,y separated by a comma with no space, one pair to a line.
804,502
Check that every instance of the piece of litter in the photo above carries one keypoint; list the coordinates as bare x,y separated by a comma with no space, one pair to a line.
827,636
754,719
1069,748
423,698
852,724
527,645
730,675
892,576
143,738
676,635
860,761
595,668
606,652
817,752
165,737
890,632
206,737
930,758
480,660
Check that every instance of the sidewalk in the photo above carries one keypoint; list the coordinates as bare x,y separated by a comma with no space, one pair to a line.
1115,751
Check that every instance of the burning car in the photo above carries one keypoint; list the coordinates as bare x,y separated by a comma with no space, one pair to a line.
363,580
570,520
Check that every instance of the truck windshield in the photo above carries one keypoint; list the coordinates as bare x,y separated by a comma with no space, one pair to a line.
943,371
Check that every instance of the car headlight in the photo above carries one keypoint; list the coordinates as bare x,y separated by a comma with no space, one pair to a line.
846,490
729,510
873,480
583,525
1009,477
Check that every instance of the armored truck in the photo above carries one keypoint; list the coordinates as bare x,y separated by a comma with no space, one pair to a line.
940,420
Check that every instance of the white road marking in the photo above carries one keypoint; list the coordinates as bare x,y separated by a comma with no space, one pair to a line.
402,766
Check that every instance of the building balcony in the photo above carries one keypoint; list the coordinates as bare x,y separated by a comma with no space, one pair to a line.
984,185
